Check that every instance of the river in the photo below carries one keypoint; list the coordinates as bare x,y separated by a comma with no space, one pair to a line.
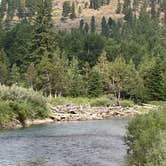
88,143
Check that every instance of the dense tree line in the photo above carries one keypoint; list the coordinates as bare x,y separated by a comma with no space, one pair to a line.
126,59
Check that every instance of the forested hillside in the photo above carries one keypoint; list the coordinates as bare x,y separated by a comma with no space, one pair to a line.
123,53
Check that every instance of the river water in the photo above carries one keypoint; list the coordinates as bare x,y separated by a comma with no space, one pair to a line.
90,143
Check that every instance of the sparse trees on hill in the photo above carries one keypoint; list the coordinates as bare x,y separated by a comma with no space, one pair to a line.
69,10
96,4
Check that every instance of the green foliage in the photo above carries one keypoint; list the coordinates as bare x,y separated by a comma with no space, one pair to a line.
34,54
95,85
126,103
104,27
94,102
18,103
146,139
21,95
5,113
96,4
102,101
66,9
43,38
93,25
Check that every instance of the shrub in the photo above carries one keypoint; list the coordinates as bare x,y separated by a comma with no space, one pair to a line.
5,113
21,104
146,139
21,95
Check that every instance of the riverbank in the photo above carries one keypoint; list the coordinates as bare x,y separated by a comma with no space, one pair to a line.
71,112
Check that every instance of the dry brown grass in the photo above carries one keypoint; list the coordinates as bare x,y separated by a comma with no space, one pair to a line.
107,11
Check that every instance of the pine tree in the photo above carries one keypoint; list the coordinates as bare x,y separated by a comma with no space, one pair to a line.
111,25
95,85
93,25
67,9
86,27
73,12
44,79
42,41
104,27
81,24
76,83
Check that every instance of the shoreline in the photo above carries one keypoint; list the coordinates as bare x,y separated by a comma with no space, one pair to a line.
70,112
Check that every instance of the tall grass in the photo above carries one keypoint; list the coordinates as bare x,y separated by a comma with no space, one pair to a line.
106,100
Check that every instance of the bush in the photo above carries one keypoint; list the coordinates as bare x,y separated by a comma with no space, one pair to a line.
21,104
21,95
6,113
146,139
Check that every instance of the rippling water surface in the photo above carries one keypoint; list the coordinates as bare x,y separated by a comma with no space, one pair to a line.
90,143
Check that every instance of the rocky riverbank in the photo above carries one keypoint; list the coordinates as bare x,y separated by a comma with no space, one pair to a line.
71,112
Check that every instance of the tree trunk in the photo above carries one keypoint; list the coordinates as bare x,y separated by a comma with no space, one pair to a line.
118,98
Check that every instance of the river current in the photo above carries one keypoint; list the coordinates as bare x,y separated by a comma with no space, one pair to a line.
88,143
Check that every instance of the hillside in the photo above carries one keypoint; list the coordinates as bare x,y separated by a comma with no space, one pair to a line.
15,11
86,13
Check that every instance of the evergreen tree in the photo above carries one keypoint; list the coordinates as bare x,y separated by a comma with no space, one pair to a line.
104,27
67,9
73,12
81,24
163,85
110,25
95,86
86,27
76,83
45,75
93,25
42,42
